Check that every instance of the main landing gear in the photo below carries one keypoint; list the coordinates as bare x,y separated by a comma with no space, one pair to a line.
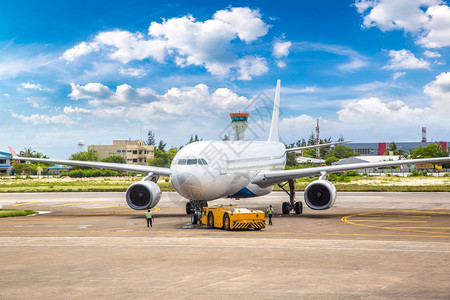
194,208
292,205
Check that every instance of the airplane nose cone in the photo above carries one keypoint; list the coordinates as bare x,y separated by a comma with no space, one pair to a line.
188,185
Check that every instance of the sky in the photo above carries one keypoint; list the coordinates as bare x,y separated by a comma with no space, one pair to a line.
97,71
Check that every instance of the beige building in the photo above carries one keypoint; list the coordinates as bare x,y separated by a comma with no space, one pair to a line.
134,152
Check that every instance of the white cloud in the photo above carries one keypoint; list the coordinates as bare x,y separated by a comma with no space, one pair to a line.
404,59
184,40
281,49
292,123
438,28
32,86
398,75
141,104
99,94
37,119
431,54
281,64
75,110
371,113
356,60
91,90
252,66
6,95
79,50
427,20
133,72
246,23
439,91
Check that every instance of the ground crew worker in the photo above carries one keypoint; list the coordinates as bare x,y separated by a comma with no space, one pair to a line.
149,216
270,213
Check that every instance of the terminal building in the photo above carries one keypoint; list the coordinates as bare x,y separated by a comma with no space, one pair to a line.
380,148
5,163
134,152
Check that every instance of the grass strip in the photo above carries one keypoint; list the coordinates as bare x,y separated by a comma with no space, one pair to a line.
389,184
16,212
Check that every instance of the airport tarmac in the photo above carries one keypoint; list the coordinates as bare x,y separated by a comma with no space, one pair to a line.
369,245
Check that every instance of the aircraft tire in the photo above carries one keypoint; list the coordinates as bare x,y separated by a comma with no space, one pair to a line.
298,207
194,219
188,208
285,208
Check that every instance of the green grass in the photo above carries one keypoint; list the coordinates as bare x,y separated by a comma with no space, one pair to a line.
342,183
15,212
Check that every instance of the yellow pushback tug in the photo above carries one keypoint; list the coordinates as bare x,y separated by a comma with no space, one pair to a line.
232,218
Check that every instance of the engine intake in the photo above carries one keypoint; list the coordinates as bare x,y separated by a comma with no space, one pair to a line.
143,195
320,194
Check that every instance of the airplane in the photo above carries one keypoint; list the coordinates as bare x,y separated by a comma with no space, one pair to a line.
208,170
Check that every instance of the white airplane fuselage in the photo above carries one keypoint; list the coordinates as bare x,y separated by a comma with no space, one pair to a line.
209,170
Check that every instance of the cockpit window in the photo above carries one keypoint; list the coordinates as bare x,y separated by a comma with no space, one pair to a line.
191,161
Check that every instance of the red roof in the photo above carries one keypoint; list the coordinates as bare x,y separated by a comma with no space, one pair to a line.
239,114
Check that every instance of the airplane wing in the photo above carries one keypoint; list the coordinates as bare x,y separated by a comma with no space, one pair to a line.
267,178
316,146
95,164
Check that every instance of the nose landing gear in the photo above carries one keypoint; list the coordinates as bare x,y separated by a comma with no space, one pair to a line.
194,208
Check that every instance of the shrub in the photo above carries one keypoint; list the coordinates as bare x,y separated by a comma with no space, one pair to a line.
81,173
418,173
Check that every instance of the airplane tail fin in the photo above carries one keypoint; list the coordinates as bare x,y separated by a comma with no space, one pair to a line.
13,153
273,135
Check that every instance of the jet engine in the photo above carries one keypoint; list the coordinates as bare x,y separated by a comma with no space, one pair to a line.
143,195
320,194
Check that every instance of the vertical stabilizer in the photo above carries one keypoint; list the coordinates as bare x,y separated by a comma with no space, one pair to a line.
273,135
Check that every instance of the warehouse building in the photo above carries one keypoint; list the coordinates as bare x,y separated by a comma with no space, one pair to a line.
371,149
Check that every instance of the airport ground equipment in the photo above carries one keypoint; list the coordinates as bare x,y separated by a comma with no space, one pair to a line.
233,218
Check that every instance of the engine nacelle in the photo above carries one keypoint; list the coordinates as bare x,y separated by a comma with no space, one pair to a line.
143,195
320,194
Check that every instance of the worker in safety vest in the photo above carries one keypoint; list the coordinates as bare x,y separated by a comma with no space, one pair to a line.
270,213
149,216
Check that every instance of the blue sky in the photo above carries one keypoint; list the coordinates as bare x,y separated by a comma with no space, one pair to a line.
103,70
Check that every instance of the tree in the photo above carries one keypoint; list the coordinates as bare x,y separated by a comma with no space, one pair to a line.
115,159
392,146
194,139
163,158
341,151
29,152
151,138
330,160
161,145
84,156
430,150
24,168
312,140
290,160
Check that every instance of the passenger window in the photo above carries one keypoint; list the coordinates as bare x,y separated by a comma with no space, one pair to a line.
203,161
182,161
192,161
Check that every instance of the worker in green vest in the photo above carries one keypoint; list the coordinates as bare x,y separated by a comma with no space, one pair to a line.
270,213
149,216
